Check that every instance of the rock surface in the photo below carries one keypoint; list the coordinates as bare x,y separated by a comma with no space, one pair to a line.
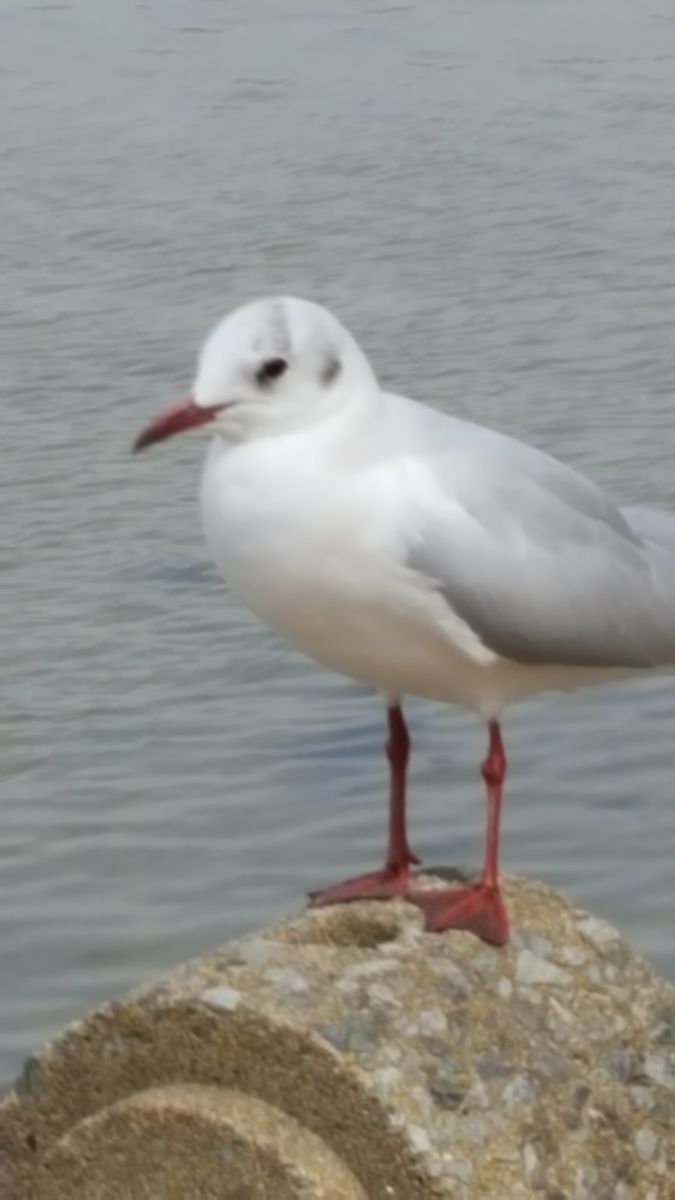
347,1055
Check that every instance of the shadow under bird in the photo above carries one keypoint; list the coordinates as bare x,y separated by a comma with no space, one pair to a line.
415,552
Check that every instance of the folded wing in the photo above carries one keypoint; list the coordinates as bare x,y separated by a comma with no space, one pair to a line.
534,557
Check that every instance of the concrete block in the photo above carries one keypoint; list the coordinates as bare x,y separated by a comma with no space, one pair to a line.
348,1055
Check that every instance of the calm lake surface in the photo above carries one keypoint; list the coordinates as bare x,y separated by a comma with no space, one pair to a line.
484,193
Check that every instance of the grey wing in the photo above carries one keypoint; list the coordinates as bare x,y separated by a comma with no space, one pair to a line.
541,565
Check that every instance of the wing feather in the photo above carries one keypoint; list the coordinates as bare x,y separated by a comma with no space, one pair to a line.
532,555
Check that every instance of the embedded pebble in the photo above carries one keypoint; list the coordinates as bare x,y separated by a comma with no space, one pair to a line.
531,969
436,1047
645,1144
348,986
454,977
531,1001
552,1064
486,962
491,1065
288,979
446,1095
386,1078
457,1168
380,993
538,945
226,998
337,1035
573,956
621,1064
474,1128
361,1034
657,1067
408,1028
599,931
420,1139
477,1095
518,1091
642,1099
530,1158
620,994
580,1094
505,988
526,1014
364,970
664,1108
665,1034
256,951
622,1192
422,1099
390,1053
448,1085
587,1181
433,1022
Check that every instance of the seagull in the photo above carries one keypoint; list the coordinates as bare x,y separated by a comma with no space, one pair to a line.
417,553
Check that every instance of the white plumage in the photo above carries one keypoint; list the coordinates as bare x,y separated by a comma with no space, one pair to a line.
413,551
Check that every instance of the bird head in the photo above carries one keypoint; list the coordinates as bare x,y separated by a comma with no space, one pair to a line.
266,369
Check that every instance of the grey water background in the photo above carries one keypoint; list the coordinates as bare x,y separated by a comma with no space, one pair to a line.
484,192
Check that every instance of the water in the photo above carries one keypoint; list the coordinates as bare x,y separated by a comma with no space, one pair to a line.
485,194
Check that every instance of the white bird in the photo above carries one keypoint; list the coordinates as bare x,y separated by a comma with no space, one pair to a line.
415,552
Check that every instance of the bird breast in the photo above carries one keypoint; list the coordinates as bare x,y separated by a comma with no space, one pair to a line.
324,566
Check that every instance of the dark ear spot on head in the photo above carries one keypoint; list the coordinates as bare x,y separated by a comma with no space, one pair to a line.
330,370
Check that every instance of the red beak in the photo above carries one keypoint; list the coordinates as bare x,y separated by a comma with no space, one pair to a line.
184,415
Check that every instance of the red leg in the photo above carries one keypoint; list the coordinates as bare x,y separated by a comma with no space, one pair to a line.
392,880
479,908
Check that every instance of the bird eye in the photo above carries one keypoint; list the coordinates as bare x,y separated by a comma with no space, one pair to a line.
271,369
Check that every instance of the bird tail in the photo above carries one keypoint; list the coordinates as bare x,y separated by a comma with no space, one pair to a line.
652,525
